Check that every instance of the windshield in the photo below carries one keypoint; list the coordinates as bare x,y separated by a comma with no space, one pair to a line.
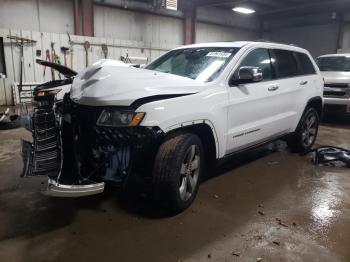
202,64
334,63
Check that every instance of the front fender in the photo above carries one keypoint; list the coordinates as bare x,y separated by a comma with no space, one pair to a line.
206,107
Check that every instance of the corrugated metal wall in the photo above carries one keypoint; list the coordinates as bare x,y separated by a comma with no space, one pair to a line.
318,39
137,26
346,38
37,15
317,32
206,32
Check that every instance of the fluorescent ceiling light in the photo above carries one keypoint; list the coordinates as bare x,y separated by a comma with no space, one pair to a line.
243,10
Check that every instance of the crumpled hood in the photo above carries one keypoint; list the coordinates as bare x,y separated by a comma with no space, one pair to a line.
108,84
336,77
64,70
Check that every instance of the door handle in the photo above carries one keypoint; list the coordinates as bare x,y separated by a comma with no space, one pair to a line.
303,83
273,88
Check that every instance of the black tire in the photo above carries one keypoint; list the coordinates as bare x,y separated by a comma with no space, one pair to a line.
305,135
173,157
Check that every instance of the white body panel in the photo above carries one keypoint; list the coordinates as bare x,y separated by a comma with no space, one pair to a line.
64,90
230,111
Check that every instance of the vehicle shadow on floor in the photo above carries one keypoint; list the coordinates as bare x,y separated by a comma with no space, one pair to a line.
144,206
28,214
34,214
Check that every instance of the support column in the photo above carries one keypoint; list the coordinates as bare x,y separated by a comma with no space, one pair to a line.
77,18
88,17
84,17
340,32
190,17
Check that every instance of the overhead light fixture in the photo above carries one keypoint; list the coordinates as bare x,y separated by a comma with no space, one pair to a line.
243,10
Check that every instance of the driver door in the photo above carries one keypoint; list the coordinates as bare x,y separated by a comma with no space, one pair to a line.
254,112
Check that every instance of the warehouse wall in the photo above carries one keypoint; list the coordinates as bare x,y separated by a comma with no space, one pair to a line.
137,26
37,15
214,33
346,38
318,39
135,33
226,17
318,33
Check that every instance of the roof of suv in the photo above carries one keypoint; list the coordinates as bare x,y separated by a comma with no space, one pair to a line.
329,55
243,43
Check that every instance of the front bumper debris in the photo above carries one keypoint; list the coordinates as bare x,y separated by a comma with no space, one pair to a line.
324,155
79,157
56,189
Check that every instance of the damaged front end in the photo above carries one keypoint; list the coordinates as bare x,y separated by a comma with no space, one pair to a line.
78,155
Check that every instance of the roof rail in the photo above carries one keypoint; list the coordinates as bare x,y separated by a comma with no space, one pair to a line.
273,42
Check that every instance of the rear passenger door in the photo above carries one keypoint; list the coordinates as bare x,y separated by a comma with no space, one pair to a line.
293,71
289,87
308,81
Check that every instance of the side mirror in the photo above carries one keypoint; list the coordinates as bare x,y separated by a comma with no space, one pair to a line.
247,74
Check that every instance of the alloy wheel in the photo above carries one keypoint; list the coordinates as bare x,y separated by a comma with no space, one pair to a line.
309,130
189,172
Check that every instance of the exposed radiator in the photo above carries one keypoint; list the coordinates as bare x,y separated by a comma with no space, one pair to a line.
43,156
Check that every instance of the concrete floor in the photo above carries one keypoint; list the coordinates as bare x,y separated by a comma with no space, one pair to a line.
267,203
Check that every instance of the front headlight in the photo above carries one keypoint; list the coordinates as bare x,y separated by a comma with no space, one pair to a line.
115,118
46,92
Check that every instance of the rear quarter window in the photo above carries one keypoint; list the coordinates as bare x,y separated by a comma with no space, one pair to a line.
305,65
284,63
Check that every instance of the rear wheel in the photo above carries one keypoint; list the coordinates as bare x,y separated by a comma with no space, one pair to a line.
305,135
177,171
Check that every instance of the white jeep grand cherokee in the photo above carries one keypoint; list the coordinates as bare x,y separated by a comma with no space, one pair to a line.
162,125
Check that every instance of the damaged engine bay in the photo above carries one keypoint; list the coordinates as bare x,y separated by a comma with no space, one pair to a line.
73,151
77,155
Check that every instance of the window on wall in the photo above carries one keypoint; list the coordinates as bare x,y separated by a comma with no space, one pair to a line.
259,58
284,63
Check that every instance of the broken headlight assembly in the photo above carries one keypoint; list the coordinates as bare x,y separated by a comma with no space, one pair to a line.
44,93
118,118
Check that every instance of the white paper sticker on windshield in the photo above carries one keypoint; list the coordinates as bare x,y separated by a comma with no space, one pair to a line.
219,54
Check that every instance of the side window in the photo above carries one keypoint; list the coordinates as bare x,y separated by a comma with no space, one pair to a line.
285,63
259,58
305,65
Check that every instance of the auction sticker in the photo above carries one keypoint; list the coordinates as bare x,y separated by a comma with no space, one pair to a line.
219,54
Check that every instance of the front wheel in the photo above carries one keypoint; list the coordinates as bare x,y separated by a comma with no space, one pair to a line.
177,171
305,135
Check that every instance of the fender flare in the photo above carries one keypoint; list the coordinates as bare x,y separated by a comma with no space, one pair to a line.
317,103
192,123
